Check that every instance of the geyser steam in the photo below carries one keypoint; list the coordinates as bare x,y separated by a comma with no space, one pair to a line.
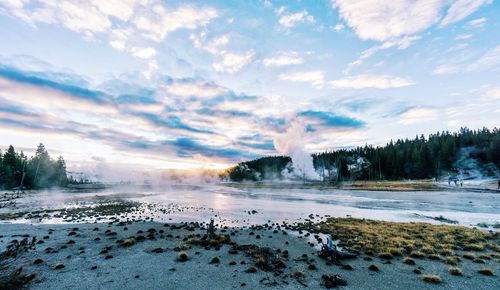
292,144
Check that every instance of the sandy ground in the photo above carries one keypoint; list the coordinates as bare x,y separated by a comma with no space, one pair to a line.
138,267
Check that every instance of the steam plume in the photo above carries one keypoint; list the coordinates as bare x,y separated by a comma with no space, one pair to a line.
292,144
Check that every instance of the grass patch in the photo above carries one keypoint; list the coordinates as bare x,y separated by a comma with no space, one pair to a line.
455,271
385,256
416,239
486,271
409,261
182,257
417,254
453,260
128,242
432,279
469,256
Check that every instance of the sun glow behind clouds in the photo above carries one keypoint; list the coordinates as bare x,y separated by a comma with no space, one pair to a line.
156,84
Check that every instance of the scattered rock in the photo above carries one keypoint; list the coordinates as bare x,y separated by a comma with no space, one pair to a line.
332,281
251,270
38,261
58,266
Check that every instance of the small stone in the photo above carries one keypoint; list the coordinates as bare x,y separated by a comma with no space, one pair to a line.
58,266
38,261
251,270
373,268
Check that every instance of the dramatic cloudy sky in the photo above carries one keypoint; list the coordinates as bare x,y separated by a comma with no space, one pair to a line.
180,84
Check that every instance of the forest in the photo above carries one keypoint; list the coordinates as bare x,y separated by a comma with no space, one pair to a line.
463,154
39,171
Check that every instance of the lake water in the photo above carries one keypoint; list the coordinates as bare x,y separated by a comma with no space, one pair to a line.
232,203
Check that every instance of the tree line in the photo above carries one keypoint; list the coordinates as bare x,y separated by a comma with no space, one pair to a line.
36,172
460,154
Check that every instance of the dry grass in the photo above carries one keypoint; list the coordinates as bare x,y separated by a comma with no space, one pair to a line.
417,254
417,240
385,256
182,257
432,279
409,261
455,271
453,260
469,256
486,271
128,242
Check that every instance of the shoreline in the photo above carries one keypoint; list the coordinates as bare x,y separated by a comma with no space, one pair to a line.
486,186
98,258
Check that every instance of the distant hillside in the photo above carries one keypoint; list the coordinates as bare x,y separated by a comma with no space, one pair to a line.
464,154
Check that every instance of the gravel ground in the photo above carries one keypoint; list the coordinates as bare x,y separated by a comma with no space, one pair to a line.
138,267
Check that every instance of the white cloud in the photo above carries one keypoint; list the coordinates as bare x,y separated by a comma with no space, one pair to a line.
280,10
315,78
371,81
158,22
463,36
491,59
476,23
446,69
143,52
384,20
267,3
121,9
226,61
215,45
338,27
419,115
283,59
197,89
493,93
399,43
461,9
233,62
117,22
290,20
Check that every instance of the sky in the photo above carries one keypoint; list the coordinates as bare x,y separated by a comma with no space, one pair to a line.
205,84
